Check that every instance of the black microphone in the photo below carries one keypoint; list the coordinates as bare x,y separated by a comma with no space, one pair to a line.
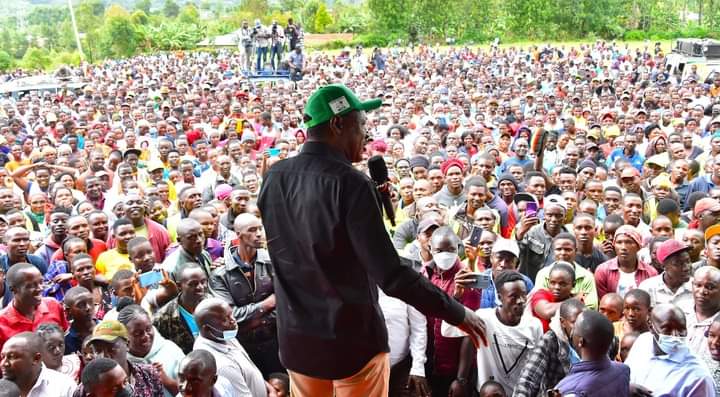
379,174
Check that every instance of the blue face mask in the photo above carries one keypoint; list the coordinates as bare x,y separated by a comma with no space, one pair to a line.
153,132
226,335
670,343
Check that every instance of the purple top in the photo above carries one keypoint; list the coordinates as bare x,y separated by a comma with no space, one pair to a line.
597,378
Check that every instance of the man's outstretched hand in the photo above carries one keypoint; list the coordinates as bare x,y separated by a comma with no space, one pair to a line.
474,326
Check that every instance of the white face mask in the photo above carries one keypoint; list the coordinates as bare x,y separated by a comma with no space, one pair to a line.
445,260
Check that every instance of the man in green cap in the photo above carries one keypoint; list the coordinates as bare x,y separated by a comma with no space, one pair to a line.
110,340
330,251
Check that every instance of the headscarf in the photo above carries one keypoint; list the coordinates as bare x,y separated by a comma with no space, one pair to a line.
651,151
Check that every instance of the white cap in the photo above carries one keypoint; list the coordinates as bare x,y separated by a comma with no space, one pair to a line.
557,200
506,245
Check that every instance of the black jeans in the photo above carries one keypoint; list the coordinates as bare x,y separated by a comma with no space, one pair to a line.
265,355
399,374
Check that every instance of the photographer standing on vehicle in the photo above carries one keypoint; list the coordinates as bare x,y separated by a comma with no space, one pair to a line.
292,33
261,36
245,44
277,42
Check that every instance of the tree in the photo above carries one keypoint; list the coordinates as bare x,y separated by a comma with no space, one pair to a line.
171,9
120,35
323,19
392,15
308,15
36,59
143,5
350,18
89,15
257,7
189,14
6,61
139,18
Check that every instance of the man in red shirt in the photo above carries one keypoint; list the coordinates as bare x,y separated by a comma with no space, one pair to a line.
28,309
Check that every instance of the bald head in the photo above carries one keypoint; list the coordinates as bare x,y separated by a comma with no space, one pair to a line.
668,319
709,272
209,311
611,306
186,226
31,341
243,221
444,233
199,214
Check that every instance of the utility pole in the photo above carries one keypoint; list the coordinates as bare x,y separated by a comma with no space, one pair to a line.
77,35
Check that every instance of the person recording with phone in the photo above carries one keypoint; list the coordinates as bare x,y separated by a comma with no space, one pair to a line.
504,256
478,248
535,237
151,285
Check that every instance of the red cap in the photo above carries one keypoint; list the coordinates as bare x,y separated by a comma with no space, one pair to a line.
670,247
452,163
705,204
193,135
379,146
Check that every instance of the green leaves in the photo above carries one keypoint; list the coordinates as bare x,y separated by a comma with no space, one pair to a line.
174,36
36,59
6,61
171,9
323,19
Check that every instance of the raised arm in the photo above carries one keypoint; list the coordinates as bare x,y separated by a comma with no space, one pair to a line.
19,176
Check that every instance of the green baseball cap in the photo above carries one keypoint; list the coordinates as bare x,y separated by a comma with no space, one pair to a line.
109,331
334,100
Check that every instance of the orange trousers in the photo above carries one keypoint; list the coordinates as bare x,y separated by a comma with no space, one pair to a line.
371,381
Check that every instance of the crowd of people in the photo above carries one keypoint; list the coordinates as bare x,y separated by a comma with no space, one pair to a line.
569,196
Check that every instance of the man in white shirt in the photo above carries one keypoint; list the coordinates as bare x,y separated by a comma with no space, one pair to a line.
661,362
218,332
261,36
407,336
245,45
673,284
703,308
22,364
511,333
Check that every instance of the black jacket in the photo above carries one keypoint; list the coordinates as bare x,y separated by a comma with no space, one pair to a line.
330,252
244,295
